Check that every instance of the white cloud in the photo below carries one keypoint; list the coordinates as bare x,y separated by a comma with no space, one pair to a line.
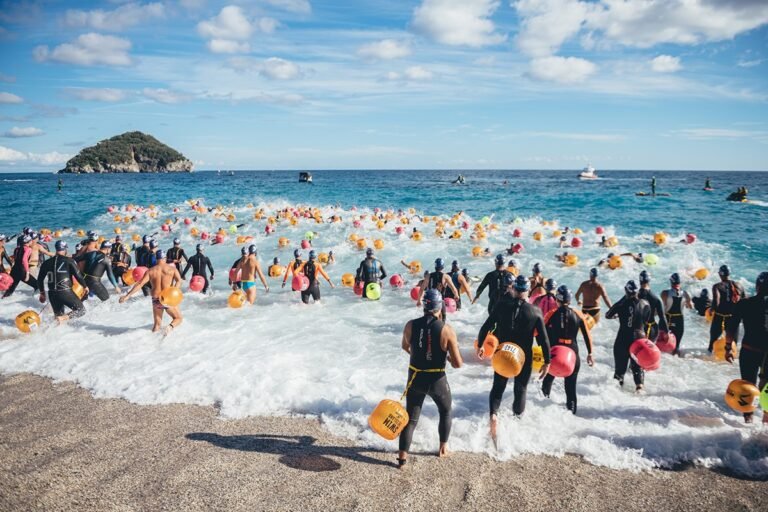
386,49
288,99
7,97
164,96
280,69
458,22
125,16
227,46
231,23
592,137
106,95
393,76
721,133
666,64
11,156
564,70
17,132
297,6
268,25
547,24
88,50
418,73
749,63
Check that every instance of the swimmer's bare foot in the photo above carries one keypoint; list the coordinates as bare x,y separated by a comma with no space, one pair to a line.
443,452
167,330
494,425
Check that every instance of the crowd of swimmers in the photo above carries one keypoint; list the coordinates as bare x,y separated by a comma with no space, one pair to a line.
520,309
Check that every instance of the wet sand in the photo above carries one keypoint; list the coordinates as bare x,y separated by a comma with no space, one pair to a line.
61,449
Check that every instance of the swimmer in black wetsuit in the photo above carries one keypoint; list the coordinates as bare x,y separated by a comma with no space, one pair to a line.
634,314
657,308
236,285
199,262
753,359
674,300
725,295
176,254
430,344
563,325
60,269
460,283
96,263
371,270
440,281
701,303
515,320
20,271
494,281
117,248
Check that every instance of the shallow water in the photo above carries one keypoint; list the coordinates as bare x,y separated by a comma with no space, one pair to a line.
337,359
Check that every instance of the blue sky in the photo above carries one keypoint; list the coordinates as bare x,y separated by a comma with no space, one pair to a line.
380,84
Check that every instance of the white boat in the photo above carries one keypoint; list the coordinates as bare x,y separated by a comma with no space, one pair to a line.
305,177
588,173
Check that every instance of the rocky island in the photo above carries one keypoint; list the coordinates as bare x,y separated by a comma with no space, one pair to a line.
129,152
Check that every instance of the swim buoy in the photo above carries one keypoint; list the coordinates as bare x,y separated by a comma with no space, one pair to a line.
660,238
415,292
456,235
373,291
305,244
537,358
742,396
690,238
571,260
171,296
477,251
612,241
380,224
450,305
300,283
358,288
517,248
399,230
220,238
204,235
589,321
234,275
646,354
396,281
236,299
517,233
361,243
764,398
197,283
138,273
576,242
508,360
187,221
5,281
577,231
557,233
651,259
562,361
27,321
416,236
701,274
378,244
415,267
282,242
276,270
718,349
615,262
232,228
323,257
490,345
78,290
348,280
127,277
537,236
666,342
388,419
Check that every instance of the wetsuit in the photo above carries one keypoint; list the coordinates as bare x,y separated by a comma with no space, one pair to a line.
311,269
177,254
145,258
370,271
236,285
60,270
634,316
494,280
725,296
435,282
199,262
515,320
20,270
117,249
96,263
701,304
674,308
448,293
121,257
657,311
426,377
546,303
753,358
563,325
292,268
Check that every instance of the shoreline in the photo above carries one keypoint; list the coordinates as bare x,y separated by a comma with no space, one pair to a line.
62,449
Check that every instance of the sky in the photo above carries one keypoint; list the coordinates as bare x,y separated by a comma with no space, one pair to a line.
391,84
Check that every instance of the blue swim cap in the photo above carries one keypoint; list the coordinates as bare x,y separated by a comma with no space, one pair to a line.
243,251
146,239
93,237
645,277
521,283
433,301
631,288
563,294
537,268
160,254
550,285
593,272
176,241
499,259
439,265
674,278
512,263
369,252
724,271
153,244
61,245
252,249
312,255
106,244
296,253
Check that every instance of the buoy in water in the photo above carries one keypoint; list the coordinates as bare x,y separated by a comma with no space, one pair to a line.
599,230
348,280
415,292
138,273
701,274
358,288
236,299
305,244
197,283
660,238
388,419
615,262
490,345
373,291
562,361
378,244
5,281
646,354
508,360
690,238
718,349
27,321
450,305
742,396
576,242
396,281
300,283
415,267
666,342
651,259
537,236
171,296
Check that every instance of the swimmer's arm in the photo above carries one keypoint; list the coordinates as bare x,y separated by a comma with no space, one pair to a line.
715,298
75,272
261,276
662,317
605,296
688,302
467,287
176,276
288,269
184,272
481,288
208,263
449,281
144,280
325,275
543,341
587,336
406,342
614,310
578,294
110,274
451,345
383,272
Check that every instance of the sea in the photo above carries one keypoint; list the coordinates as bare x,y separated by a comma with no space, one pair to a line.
337,359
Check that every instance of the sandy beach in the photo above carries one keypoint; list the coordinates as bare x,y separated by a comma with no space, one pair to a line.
61,449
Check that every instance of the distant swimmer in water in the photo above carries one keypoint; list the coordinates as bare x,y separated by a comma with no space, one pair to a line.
674,300
163,275
59,271
563,325
637,257
494,281
634,314
592,291
753,359
371,270
725,295
653,186
60,185
312,269
176,254
440,281
199,263
563,242
249,269
707,184
431,344
515,320
701,302
331,258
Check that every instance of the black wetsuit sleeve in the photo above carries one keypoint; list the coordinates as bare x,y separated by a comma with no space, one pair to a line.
208,264
614,310
44,269
183,255
483,285
585,334
662,317
80,257
234,265
189,264
383,272
110,274
75,272
361,271
541,336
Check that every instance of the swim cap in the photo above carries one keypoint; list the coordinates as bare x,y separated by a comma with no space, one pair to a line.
25,230
724,271
276,261
369,252
645,277
61,245
563,294
499,259
536,268
296,253
78,247
25,239
118,238
106,244
3,238
455,265
199,247
176,241
631,288
146,239
550,284
243,251
252,249
762,283
512,263
330,253
465,272
439,265
704,293
593,272
610,255
521,283
433,301
153,244
94,237
160,254
674,278
312,255
89,234
33,235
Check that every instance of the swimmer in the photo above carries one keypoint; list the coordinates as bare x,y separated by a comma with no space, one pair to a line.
426,371
701,303
176,254
725,295
311,268
199,264
537,280
20,268
121,261
250,268
637,257
39,252
674,300
440,281
96,263
753,359
163,275
494,281
371,270
514,320
460,282
547,302
512,268
117,247
563,242
653,186
331,258
563,325
60,270
236,285
657,308
4,255
604,262
292,268
592,290
274,270
634,314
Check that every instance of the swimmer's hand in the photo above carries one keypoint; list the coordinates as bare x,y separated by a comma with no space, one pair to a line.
283,285
480,353
42,297
729,352
123,299
590,360
543,371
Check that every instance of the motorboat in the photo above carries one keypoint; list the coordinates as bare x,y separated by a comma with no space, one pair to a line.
305,177
588,173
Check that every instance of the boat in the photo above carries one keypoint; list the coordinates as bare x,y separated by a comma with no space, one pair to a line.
588,173
305,177
461,180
